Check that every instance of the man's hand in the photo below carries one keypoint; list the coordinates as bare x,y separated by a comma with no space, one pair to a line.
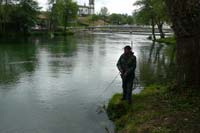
121,71
125,74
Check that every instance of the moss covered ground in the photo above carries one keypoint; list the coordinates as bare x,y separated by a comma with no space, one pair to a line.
167,40
157,109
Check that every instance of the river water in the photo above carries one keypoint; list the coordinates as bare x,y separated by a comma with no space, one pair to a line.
55,85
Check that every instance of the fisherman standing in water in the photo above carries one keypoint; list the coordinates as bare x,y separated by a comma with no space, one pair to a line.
127,65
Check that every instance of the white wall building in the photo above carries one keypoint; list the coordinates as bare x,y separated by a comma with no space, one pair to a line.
85,10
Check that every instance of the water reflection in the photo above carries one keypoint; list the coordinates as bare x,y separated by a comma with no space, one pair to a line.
16,60
53,84
160,66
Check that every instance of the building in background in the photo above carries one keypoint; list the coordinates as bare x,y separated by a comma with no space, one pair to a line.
85,10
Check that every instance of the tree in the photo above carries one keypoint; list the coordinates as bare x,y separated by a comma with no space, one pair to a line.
130,20
18,15
26,14
146,14
93,18
119,19
153,12
4,14
104,13
70,11
161,15
62,12
185,17
116,19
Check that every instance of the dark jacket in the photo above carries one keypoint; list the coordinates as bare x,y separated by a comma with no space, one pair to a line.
127,63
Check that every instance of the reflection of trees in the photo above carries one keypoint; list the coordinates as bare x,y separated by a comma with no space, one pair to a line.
170,65
62,45
16,58
95,46
172,58
89,42
61,50
151,51
157,55
161,69
101,44
146,73
156,51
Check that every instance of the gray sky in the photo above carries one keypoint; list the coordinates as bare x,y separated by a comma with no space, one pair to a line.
114,6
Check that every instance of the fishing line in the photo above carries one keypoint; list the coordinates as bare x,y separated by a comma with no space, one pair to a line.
101,109
109,85
106,89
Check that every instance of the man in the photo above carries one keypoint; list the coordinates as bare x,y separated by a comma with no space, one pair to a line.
127,65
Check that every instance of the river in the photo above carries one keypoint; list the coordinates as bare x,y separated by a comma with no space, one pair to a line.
55,85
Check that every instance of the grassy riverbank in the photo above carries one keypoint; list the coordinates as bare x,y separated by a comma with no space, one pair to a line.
157,109
168,40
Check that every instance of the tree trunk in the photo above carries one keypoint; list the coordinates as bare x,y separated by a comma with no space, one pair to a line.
188,61
0,17
153,29
50,24
66,20
66,24
5,17
160,28
185,16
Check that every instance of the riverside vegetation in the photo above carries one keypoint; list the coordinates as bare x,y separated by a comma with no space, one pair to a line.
157,109
173,108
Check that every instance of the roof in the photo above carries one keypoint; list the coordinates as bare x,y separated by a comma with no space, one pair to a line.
42,16
83,6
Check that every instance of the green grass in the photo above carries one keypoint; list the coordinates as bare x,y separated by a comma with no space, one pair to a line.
156,110
168,40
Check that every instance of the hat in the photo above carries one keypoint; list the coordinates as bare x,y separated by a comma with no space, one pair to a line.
128,47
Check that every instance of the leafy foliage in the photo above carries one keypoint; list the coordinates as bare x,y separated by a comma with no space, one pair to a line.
152,12
18,16
104,11
151,9
121,19
62,12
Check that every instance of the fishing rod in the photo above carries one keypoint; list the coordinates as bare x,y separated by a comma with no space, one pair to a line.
109,85
100,108
135,82
128,43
